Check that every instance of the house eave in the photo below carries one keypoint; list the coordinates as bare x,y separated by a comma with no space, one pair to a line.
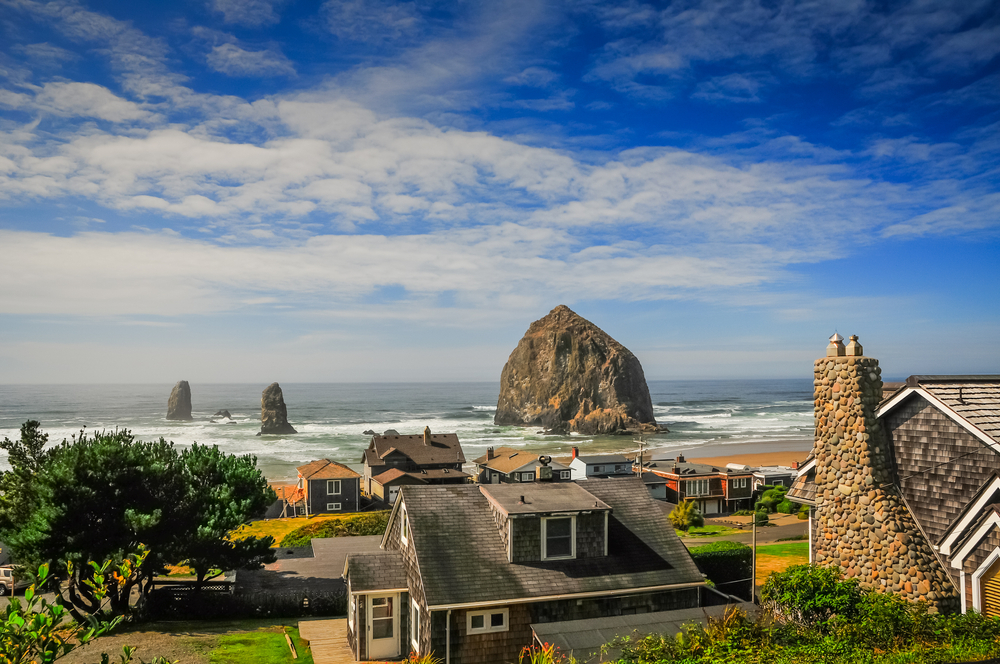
551,598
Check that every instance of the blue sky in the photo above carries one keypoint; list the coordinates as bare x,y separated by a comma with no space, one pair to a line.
258,190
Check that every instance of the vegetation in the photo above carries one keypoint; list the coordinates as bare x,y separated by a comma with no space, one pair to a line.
727,564
810,615
279,528
265,645
368,523
41,632
773,500
546,653
711,531
101,497
685,515
761,518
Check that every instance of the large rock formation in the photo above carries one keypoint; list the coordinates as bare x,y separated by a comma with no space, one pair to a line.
567,374
179,403
273,414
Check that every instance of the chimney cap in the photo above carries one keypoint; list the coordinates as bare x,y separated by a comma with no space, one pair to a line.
836,338
836,347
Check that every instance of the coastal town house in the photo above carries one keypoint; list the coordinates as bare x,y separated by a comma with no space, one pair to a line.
506,465
914,474
393,460
326,487
599,466
473,573
714,489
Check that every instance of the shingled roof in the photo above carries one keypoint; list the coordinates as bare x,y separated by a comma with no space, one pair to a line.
508,459
375,570
462,558
324,469
443,448
972,401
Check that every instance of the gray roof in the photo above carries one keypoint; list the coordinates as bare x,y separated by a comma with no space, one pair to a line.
602,458
375,570
462,558
443,448
541,498
975,398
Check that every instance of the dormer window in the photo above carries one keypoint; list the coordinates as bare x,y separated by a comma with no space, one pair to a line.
558,537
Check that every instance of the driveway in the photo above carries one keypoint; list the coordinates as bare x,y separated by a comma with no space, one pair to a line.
316,568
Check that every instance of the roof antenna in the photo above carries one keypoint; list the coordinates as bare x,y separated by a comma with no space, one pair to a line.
961,399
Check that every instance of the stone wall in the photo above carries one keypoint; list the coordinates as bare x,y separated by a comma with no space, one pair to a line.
862,523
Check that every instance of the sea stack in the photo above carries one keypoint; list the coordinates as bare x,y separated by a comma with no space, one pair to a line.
273,414
179,403
567,374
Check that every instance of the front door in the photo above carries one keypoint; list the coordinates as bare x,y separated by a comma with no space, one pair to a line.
383,626
495,479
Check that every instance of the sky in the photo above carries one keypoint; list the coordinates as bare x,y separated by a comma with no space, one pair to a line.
358,191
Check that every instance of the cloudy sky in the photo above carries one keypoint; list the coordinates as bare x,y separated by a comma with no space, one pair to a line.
258,190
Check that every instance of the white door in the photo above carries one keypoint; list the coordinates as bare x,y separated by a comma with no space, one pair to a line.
710,507
383,626
495,479
392,495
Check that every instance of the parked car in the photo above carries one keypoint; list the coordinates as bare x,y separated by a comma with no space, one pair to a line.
10,579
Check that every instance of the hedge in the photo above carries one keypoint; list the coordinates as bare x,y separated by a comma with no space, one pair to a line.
728,565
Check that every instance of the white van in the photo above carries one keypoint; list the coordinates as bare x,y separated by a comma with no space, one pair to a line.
9,580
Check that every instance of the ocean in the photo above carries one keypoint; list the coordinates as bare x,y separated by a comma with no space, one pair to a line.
709,417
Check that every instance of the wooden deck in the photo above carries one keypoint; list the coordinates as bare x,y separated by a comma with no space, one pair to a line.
327,640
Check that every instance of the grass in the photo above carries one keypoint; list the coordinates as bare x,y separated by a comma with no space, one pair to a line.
779,557
265,645
710,531
278,528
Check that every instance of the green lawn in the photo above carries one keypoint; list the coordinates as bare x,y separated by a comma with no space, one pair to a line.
265,645
784,549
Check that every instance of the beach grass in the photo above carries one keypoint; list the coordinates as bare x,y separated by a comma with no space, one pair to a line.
278,528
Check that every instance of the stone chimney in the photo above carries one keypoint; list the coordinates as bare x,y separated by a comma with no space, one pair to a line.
427,436
576,452
860,522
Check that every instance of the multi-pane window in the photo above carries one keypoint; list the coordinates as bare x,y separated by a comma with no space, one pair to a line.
527,477
558,537
739,483
564,474
333,507
333,487
696,487
598,469
493,620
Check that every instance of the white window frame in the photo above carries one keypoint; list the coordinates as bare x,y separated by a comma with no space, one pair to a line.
352,607
572,537
697,484
404,527
414,625
564,474
333,507
333,487
487,620
528,477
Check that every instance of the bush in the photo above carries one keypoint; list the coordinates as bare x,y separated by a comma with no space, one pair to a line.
727,565
787,507
368,523
803,514
810,594
686,515
760,518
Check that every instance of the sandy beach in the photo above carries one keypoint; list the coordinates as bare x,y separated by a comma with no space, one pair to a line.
778,453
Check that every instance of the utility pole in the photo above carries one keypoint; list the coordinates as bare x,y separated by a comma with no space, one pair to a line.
641,444
753,563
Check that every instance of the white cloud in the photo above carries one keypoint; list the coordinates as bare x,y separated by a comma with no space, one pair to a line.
88,100
231,60
370,20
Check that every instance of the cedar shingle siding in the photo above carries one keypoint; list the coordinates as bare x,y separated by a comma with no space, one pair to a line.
923,437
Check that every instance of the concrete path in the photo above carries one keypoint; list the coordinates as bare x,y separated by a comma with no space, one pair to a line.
327,640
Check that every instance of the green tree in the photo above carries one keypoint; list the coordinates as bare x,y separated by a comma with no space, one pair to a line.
99,497
25,456
685,515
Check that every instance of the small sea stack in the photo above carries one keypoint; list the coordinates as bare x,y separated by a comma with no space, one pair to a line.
273,414
179,403
567,374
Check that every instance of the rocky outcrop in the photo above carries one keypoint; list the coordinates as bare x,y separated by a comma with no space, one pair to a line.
179,403
567,374
273,414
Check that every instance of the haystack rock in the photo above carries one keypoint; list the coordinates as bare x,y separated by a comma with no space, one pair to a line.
567,374
179,403
273,414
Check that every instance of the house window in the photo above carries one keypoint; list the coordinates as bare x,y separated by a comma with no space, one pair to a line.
333,507
300,483
480,622
619,469
527,477
414,625
404,527
696,487
333,487
779,483
558,537
564,474
598,469
739,483
351,610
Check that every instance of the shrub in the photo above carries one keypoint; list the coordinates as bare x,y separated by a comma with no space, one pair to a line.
685,515
727,565
803,514
810,594
760,518
368,523
787,507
